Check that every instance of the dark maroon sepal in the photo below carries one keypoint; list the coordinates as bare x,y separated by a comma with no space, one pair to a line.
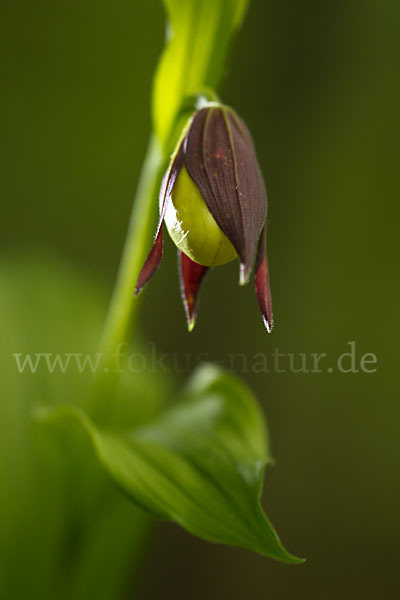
263,291
152,262
191,276
221,159
156,253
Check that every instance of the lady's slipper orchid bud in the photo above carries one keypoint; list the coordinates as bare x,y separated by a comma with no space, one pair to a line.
192,226
214,204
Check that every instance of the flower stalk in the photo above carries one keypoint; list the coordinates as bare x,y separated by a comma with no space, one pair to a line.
123,310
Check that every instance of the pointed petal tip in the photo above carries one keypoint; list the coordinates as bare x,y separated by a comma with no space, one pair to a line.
151,263
263,291
191,322
269,323
244,274
191,277
191,313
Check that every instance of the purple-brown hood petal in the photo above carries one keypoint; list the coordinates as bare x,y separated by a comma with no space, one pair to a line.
220,158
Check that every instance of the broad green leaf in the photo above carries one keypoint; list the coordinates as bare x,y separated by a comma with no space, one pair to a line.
61,517
199,464
198,37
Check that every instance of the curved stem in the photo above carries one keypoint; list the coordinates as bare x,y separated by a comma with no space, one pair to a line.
123,308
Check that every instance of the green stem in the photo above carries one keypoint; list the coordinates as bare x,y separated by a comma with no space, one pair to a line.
123,308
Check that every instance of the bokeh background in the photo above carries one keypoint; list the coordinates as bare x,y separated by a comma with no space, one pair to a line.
318,84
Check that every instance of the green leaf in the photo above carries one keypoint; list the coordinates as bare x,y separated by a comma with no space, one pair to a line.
199,464
61,517
199,33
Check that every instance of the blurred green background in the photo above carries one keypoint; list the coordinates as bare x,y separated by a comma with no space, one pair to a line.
318,85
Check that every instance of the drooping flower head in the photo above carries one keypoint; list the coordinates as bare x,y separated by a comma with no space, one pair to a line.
214,204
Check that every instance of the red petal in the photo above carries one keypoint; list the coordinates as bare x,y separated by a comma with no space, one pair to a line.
152,261
155,255
263,291
191,276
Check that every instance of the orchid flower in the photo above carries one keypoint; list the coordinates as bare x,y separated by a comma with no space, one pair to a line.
214,205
